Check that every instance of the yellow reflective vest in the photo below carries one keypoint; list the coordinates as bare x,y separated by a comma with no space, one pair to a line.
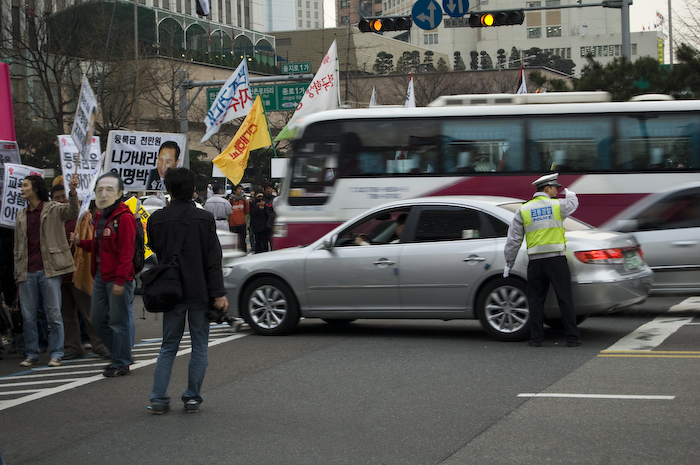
543,225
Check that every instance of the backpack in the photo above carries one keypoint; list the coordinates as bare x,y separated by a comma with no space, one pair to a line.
140,246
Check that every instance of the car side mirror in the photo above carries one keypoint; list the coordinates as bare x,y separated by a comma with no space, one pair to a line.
329,243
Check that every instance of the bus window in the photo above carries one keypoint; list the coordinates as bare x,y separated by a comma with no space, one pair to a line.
312,179
483,145
658,142
575,144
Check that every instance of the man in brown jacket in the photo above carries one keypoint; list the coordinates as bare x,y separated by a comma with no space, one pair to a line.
41,256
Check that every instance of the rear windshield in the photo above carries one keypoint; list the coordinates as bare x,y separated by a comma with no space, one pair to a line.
570,224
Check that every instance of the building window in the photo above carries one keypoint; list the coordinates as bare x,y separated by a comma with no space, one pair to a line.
430,39
308,24
299,3
301,23
316,25
534,32
552,3
315,5
345,20
617,50
308,4
344,5
553,31
634,49
315,14
532,4
299,13
308,14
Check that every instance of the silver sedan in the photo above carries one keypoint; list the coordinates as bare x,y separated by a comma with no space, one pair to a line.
433,257
667,224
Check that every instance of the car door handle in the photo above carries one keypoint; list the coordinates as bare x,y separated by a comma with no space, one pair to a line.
684,243
474,259
384,261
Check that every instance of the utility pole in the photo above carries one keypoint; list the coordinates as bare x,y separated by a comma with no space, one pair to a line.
670,34
137,95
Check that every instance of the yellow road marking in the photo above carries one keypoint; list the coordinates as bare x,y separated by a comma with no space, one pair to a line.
650,353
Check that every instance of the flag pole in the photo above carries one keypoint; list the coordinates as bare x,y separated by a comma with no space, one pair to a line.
269,132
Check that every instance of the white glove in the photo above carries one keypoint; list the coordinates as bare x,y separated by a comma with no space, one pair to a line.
506,271
566,191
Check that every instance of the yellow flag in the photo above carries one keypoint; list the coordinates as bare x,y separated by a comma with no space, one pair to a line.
253,134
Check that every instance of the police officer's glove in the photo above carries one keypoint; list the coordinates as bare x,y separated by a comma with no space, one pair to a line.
566,191
506,271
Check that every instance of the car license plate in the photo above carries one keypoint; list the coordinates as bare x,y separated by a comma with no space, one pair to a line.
632,260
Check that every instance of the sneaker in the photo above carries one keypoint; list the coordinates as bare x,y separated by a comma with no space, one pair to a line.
575,343
87,346
113,372
55,362
192,406
535,343
159,409
29,361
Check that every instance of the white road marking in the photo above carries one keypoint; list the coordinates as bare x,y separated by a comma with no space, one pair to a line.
217,335
596,396
650,335
691,303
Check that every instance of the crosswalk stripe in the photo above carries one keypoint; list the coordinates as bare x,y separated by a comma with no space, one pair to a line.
67,376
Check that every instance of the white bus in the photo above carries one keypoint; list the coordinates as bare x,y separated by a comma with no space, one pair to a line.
610,153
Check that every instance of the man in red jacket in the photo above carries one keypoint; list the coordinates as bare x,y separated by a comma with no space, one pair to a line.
239,210
112,248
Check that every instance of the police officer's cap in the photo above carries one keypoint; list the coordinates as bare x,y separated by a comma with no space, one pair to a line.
548,180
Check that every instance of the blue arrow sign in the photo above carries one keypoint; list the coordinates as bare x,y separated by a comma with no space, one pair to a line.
455,8
427,14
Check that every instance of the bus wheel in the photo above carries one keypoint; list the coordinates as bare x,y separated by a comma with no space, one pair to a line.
270,307
503,311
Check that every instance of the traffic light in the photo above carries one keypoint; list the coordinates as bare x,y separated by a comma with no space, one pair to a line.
385,24
497,18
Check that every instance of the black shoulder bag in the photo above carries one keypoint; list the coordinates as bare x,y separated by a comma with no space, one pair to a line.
162,287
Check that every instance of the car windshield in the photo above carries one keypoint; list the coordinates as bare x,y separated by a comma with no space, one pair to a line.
570,224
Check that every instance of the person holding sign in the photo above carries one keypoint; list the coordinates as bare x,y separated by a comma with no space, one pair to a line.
112,246
41,256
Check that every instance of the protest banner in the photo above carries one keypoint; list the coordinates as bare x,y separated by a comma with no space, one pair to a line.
233,101
135,207
324,91
9,153
85,116
12,201
86,163
142,158
252,134
90,195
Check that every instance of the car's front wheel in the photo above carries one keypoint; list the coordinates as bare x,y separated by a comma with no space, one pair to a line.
270,307
503,310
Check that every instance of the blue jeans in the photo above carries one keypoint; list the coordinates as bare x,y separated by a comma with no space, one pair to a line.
110,317
36,285
173,329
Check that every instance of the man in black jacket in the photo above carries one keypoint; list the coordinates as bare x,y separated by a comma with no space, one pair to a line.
202,283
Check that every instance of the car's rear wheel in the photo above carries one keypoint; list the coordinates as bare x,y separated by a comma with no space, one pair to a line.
503,310
338,321
270,307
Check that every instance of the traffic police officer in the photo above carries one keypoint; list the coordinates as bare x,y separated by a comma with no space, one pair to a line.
540,221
